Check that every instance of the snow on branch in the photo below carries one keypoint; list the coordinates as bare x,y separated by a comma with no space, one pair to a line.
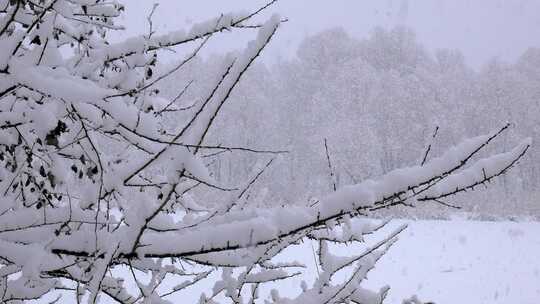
94,181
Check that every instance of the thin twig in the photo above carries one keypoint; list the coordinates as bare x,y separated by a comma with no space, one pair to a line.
429,146
332,179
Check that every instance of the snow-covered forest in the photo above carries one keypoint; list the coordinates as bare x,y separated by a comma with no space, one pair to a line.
140,169
378,102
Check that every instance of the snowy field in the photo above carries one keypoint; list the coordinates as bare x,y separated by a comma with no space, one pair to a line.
449,262
446,262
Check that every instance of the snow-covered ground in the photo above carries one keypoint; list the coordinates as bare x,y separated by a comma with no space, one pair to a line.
447,262
450,262
458,261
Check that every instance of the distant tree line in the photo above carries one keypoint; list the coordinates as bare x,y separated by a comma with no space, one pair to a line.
378,102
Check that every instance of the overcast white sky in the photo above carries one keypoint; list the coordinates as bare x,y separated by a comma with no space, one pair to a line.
481,29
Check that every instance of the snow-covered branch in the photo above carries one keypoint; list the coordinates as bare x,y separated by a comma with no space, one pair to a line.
95,180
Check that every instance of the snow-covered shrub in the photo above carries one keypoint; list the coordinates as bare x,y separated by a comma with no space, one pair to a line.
94,182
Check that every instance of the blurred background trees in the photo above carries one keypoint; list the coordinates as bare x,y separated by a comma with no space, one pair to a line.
378,101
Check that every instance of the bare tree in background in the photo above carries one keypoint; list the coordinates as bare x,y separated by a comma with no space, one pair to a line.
93,181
